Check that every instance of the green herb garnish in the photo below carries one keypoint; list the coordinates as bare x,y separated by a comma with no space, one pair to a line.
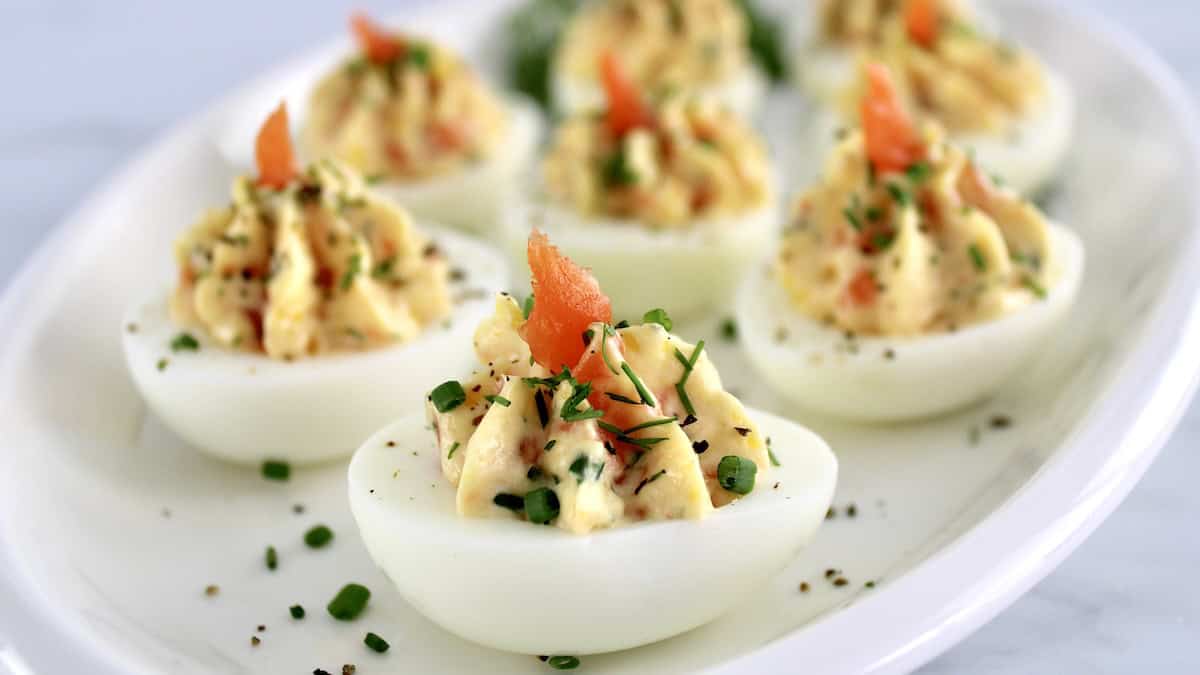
579,467
729,330
276,470
353,269
349,602
541,506
771,454
318,536
1034,287
498,400
647,481
688,365
384,268
736,474
563,662
918,172
644,393
296,611
376,643
617,172
570,409
852,218
272,558
527,306
899,195
447,396
185,342
658,316
453,449
977,258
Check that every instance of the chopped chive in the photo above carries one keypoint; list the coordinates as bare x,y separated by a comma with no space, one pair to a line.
447,396
384,268
563,662
296,611
184,342
276,470
376,643
541,506
570,409
736,474
509,501
498,400
852,218
349,602
658,316
453,449
977,258
318,536
688,366
729,330
161,365
899,195
543,411
771,454
1034,287
610,428
647,481
651,423
272,558
579,467
918,172
550,445
608,332
644,393
527,307
353,268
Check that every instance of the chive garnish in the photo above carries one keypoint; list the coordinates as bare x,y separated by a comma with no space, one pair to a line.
543,411
977,258
541,506
550,445
608,332
527,307
644,393
498,400
898,194
736,474
917,172
161,365
729,330
651,423
184,342
579,467
509,501
296,611
272,558
1034,287
353,268
376,643
384,268
658,316
349,602
275,470
852,218
771,454
453,449
570,410
563,662
447,396
688,366
621,399
318,536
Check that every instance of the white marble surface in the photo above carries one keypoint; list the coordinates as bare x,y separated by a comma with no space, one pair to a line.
90,82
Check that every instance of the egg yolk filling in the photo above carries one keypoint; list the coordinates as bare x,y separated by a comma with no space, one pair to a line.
673,164
924,248
947,70
314,265
404,108
666,44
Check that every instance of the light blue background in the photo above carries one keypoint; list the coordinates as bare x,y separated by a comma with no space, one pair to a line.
88,83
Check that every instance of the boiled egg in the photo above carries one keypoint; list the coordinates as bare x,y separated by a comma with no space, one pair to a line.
519,587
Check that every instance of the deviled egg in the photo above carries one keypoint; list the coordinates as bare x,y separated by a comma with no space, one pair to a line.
697,47
307,312
908,282
671,199
992,96
422,124
655,486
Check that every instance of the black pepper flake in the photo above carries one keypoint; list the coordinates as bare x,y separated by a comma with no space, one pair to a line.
261,628
320,671
852,510
542,410
458,274
804,587
608,447
700,447
391,444
212,590
776,486
1000,422
742,431
543,658
869,584
254,641
297,509
830,573
349,669
829,515
690,419
476,388
889,354
430,251
840,581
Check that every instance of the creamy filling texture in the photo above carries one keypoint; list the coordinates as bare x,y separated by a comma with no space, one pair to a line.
320,266
696,161
926,250
421,114
520,429
668,45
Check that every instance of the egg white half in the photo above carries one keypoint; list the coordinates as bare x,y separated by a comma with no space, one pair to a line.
532,589
742,93
884,379
247,408
683,271
1028,159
